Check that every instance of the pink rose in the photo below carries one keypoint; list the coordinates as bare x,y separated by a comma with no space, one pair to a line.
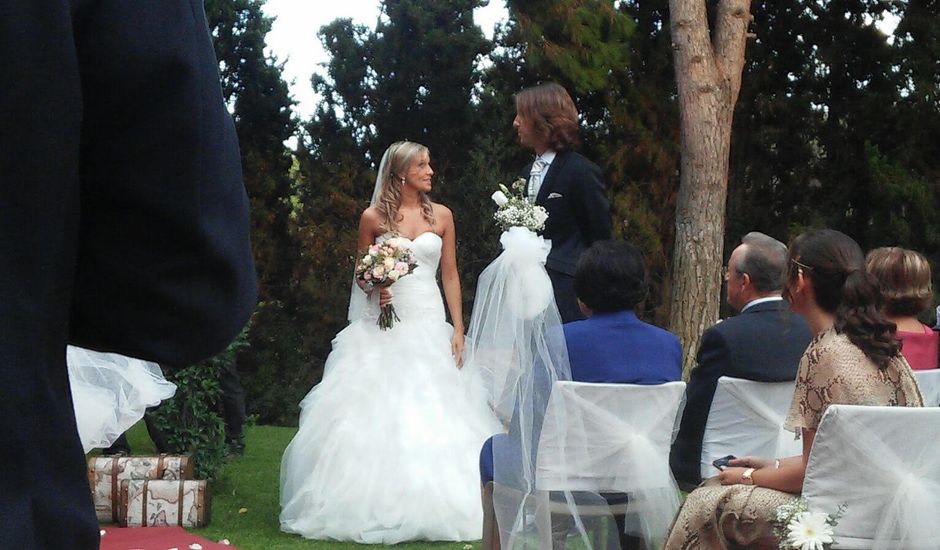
401,267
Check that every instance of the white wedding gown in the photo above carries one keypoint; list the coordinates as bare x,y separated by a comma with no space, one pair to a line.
388,445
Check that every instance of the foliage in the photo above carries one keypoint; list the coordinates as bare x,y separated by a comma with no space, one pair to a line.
190,421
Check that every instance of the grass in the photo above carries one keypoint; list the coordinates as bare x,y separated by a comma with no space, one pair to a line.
245,503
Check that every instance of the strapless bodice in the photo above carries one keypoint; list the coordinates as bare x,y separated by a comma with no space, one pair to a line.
417,294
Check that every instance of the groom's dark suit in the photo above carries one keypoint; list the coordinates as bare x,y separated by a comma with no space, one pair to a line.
123,227
574,196
764,343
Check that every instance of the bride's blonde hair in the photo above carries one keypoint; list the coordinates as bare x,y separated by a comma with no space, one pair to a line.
398,157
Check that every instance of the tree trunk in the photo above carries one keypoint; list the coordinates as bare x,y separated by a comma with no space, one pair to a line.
708,76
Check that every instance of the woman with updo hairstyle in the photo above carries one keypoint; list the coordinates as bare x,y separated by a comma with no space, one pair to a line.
854,359
904,277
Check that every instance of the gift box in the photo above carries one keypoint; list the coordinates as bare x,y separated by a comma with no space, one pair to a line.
105,474
160,503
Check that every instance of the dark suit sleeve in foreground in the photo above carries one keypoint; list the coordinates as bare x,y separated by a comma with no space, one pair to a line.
686,455
164,268
123,227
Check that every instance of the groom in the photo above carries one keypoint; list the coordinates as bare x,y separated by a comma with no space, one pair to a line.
562,181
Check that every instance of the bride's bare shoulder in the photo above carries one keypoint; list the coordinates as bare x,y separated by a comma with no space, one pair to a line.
442,211
371,216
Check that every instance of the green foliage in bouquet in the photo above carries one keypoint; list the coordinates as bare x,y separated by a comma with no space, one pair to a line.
190,422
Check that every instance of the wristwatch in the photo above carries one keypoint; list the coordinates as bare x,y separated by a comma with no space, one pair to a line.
746,477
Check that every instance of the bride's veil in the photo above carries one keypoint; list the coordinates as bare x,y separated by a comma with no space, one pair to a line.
359,300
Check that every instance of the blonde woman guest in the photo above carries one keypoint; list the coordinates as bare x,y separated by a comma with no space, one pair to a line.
387,444
904,276
853,359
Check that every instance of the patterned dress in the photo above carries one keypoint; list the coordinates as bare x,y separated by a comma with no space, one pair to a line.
832,371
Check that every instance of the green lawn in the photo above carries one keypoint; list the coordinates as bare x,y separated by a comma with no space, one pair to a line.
245,498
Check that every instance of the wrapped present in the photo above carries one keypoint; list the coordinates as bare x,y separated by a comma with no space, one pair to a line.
105,474
159,503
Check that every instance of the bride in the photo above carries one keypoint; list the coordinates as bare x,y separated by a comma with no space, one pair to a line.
388,441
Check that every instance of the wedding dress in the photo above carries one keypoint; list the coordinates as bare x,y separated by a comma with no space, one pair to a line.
388,445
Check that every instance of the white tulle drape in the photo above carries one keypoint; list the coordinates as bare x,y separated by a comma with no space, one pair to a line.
111,392
614,438
883,464
517,346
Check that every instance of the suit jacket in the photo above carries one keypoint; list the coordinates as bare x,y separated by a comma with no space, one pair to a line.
574,196
124,227
619,348
764,343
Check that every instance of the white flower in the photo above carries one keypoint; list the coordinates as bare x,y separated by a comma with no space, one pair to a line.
810,531
393,242
389,264
500,199
393,275
367,260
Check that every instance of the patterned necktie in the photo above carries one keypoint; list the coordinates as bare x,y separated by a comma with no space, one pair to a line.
535,179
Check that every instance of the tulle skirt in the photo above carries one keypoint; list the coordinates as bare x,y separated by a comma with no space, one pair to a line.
388,445
110,393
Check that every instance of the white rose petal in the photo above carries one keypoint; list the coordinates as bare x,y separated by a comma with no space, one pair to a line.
500,199
195,546
225,542
393,275
389,264
367,260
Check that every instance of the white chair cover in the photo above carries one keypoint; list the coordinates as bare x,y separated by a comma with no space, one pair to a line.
614,438
884,464
929,382
746,418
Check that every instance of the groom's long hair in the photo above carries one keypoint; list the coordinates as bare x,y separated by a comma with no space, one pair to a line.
552,113
398,157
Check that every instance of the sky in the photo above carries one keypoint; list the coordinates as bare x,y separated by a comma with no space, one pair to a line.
293,37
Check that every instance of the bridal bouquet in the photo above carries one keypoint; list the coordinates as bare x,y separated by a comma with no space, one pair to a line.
796,526
515,211
383,264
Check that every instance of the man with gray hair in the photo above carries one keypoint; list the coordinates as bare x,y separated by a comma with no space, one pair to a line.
764,342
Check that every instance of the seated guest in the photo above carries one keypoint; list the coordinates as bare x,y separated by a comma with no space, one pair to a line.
612,345
904,276
764,342
853,359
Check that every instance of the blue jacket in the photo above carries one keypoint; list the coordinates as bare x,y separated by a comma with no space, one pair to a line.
619,348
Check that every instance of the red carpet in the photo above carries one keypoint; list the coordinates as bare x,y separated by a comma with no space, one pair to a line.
154,538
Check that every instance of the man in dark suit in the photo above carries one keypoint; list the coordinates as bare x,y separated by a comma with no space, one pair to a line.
565,183
764,343
124,227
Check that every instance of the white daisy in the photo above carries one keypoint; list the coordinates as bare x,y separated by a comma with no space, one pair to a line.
810,531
